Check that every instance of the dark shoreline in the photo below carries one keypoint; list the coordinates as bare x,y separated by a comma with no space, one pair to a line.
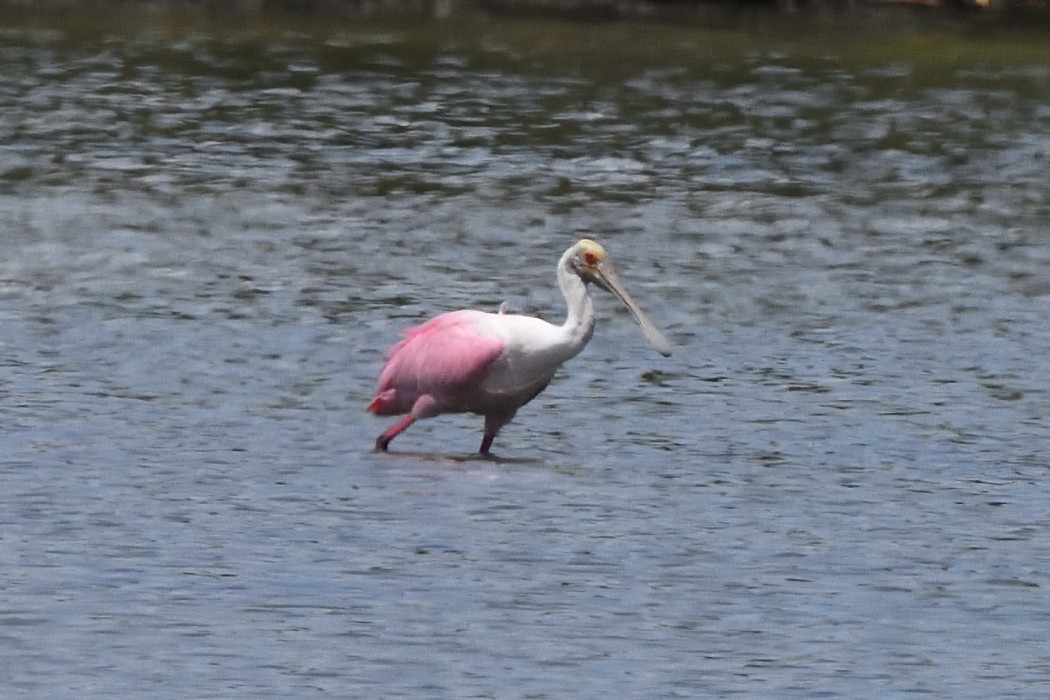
838,19
587,9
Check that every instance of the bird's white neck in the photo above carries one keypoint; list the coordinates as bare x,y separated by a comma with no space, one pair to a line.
579,322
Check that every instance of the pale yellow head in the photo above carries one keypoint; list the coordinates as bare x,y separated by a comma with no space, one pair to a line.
588,258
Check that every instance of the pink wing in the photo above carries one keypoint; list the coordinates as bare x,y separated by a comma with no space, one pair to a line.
444,357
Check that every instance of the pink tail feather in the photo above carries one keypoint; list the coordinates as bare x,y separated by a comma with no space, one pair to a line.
385,404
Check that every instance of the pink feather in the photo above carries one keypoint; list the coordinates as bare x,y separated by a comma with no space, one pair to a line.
443,358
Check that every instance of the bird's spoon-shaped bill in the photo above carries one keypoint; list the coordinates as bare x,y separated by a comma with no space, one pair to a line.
607,279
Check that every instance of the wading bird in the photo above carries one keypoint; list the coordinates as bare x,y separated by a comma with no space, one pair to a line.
493,364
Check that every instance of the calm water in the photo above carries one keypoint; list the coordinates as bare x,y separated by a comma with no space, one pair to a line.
837,487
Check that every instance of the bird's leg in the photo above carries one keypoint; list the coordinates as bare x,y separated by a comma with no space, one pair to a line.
424,407
493,422
383,441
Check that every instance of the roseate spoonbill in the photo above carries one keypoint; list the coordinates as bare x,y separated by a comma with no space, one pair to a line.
493,364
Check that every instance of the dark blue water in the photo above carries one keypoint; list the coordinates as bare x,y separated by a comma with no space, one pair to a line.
834,488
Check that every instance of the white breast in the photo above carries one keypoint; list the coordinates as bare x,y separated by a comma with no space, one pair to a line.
533,350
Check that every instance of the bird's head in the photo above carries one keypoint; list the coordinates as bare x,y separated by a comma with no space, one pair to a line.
588,260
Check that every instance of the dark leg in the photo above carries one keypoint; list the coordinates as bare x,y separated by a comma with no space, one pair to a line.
493,423
383,441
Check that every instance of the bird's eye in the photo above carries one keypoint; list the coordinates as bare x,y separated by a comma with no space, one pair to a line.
590,258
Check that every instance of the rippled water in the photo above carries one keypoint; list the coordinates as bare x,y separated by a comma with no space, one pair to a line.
834,488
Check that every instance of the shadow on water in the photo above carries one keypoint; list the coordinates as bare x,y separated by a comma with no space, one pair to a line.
448,459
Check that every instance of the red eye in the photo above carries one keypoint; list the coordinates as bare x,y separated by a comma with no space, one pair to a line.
590,258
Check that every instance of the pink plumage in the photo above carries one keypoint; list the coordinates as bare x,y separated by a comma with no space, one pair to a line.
444,357
493,364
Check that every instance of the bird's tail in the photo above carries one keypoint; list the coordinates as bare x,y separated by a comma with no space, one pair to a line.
385,403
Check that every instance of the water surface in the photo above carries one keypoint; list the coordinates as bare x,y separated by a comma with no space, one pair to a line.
835,487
